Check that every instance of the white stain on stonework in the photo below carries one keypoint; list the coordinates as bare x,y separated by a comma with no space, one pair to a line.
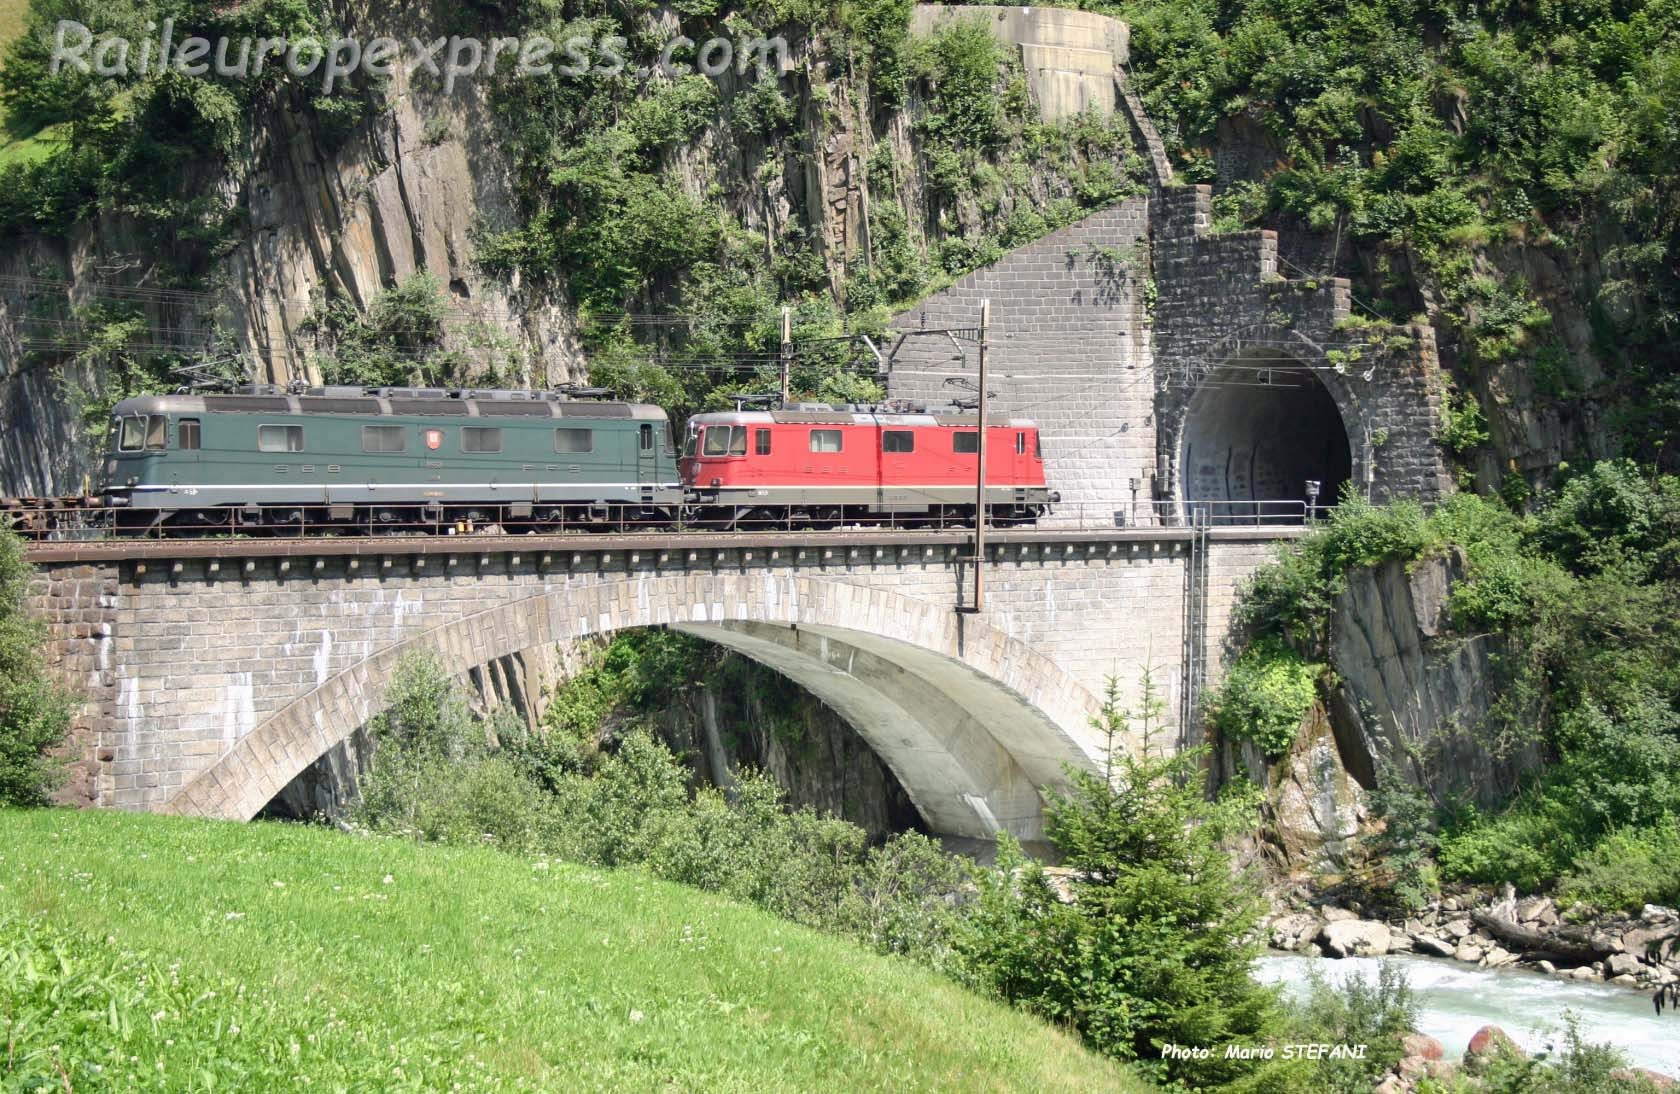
323,657
241,707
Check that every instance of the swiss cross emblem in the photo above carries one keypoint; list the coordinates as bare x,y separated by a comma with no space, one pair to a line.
434,438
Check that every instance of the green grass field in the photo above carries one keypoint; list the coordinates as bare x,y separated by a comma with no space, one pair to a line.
142,952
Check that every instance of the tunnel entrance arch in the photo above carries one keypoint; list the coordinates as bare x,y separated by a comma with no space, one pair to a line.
1257,432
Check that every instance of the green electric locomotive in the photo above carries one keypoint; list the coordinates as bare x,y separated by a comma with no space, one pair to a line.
387,458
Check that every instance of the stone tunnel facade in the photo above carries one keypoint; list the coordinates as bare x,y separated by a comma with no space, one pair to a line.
211,683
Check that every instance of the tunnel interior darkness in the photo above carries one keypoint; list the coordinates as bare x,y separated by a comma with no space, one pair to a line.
1256,434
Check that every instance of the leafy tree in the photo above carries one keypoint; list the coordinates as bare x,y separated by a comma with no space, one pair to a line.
34,713
1153,944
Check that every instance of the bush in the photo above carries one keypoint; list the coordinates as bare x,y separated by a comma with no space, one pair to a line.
438,775
34,713
1628,869
1521,846
1264,696
1376,1013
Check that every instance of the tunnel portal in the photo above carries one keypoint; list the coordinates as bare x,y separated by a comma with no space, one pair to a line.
1257,432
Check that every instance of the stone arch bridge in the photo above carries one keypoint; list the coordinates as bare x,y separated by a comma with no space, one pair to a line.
215,672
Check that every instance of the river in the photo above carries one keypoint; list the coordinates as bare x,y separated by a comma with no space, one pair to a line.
1457,999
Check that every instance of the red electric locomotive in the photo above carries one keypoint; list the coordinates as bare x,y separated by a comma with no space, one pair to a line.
821,466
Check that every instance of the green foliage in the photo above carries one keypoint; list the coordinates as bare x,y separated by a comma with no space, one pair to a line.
1628,869
1376,1012
1572,1065
1265,694
397,341
1462,425
961,62
1405,847
1154,944
440,775
34,713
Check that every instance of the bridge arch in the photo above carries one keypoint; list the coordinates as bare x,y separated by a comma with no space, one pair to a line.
971,721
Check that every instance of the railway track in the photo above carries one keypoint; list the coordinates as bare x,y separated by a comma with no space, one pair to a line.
83,529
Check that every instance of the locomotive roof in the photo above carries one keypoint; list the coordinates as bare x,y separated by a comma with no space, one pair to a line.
854,417
393,402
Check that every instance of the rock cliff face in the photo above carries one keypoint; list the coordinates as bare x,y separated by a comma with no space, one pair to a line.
1406,691
1410,690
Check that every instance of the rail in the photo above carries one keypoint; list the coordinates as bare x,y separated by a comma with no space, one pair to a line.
85,520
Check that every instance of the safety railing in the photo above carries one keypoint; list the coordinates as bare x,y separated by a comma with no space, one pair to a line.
60,522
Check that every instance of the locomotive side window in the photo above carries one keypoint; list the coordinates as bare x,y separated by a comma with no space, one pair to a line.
157,433
1020,444
647,438
574,440
967,440
186,433
279,438
383,438
1038,446
479,438
761,442
133,434
898,440
825,440
691,437
737,440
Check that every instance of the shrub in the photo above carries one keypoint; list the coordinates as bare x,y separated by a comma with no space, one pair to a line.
1521,846
34,713
1374,1012
1264,696
1628,869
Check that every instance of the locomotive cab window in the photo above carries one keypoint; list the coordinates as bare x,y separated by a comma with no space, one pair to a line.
966,441
157,433
647,437
279,438
1038,446
825,440
479,438
133,435
383,438
186,434
1020,444
725,440
574,440
761,441
898,440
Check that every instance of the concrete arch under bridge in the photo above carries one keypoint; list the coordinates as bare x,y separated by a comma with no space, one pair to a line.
215,671
971,721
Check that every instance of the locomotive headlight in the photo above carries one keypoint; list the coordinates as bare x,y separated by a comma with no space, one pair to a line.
132,481
717,482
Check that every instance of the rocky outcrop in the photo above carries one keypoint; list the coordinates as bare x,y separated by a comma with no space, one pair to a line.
1410,690
1315,810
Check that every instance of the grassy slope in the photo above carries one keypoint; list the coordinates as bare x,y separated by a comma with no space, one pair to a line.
373,961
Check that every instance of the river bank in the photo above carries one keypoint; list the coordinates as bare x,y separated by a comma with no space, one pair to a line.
1457,1000
1639,952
